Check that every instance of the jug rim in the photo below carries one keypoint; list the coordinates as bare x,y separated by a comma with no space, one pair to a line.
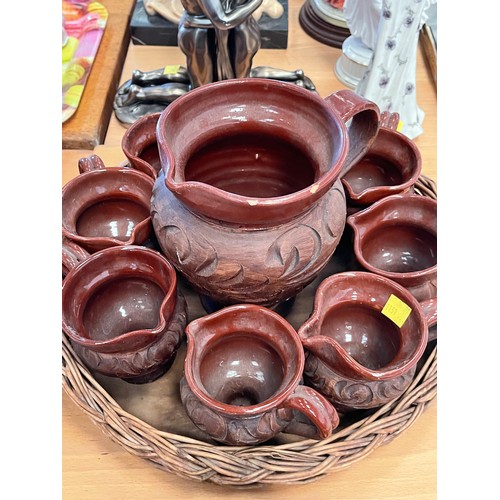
148,335
349,363
234,208
101,242
276,399
377,209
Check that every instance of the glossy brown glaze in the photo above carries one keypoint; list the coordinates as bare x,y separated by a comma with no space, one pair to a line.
123,313
239,207
104,207
392,165
357,356
397,238
72,255
251,165
241,378
140,146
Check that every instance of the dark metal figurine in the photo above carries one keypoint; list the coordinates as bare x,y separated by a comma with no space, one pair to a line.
219,39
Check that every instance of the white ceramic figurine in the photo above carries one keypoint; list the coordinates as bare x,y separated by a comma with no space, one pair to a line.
391,30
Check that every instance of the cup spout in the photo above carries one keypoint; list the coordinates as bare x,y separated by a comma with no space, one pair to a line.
334,356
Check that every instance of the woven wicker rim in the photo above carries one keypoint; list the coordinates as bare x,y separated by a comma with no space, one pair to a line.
298,462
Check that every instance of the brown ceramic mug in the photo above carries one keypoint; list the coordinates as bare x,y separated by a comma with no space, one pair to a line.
363,340
396,237
122,312
392,165
242,375
104,207
140,146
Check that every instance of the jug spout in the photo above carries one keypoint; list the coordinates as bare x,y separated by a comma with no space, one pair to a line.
353,332
263,151
336,358
198,334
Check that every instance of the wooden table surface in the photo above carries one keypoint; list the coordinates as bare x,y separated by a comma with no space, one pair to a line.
93,467
88,125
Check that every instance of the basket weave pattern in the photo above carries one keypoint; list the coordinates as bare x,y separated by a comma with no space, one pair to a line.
298,462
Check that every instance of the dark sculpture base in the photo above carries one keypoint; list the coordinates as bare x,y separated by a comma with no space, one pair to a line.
156,30
319,29
152,91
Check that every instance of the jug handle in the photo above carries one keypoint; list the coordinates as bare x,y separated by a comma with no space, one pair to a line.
389,120
322,417
365,116
89,163
72,255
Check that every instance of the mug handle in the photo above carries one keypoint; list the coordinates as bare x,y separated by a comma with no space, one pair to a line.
363,129
389,120
318,410
90,163
72,255
94,162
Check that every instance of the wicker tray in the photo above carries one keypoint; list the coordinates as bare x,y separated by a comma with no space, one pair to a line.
149,420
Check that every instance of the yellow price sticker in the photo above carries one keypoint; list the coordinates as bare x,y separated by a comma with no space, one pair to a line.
396,310
171,69
400,126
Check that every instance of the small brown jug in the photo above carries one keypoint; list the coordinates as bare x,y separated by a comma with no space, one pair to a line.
242,377
363,340
396,237
104,207
140,146
392,165
122,311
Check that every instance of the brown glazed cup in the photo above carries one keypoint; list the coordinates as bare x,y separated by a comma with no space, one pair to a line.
396,237
357,356
392,165
123,313
104,207
140,146
242,375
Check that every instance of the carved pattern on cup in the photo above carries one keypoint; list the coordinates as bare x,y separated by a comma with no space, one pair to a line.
207,420
425,291
349,394
225,429
134,364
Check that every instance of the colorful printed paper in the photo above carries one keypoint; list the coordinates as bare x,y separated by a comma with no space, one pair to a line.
83,27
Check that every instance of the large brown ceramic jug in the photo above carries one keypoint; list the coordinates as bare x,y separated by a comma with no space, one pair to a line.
249,205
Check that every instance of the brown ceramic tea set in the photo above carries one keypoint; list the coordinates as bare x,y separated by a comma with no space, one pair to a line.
243,190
